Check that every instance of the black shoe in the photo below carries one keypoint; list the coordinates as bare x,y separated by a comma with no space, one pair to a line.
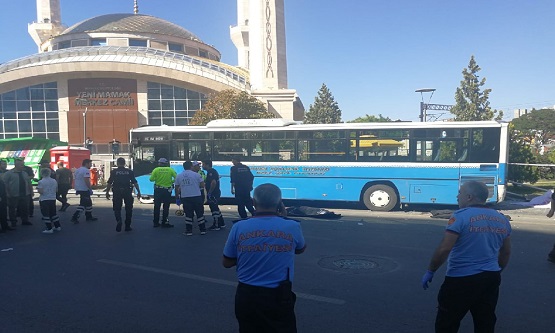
222,226
74,220
64,207
128,228
551,258
118,226
156,225
167,225
214,227
92,218
27,223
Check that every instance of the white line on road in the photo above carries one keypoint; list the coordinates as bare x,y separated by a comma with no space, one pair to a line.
212,280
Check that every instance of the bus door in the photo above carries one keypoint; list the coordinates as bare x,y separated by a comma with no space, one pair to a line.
482,162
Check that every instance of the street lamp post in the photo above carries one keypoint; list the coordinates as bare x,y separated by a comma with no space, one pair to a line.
424,106
85,127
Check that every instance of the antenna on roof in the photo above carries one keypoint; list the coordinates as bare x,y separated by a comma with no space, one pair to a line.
135,7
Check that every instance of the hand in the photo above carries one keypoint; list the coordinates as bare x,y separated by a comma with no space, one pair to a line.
108,195
90,191
178,201
138,195
232,191
427,278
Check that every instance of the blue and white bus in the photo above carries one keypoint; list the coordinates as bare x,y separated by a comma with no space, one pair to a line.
381,165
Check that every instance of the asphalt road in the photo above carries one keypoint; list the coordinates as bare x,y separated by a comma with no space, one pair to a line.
360,273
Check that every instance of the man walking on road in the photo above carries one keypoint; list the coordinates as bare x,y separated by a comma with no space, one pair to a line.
241,185
163,177
121,182
212,184
187,187
477,246
551,255
64,177
84,189
263,248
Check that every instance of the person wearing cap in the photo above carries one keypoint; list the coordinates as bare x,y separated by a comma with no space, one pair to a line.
18,190
187,187
83,187
213,193
241,186
64,177
121,182
163,177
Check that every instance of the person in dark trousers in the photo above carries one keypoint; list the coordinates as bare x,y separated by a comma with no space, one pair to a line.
47,188
84,189
18,190
477,247
264,300
213,194
241,185
187,187
551,255
163,177
121,182
29,171
3,201
64,177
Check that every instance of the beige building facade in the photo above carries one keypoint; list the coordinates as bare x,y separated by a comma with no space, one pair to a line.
103,76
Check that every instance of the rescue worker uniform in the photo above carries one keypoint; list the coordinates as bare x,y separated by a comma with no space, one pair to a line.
84,191
163,178
213,197
188,185
121,181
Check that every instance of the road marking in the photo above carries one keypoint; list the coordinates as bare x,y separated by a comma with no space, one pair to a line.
212,280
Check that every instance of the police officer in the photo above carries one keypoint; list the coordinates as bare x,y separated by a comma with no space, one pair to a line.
241,185
121,182
163,177
212,183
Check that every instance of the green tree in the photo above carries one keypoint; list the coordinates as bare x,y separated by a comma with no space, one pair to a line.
230,104
324,110
471,102
537,127
520,152
371,119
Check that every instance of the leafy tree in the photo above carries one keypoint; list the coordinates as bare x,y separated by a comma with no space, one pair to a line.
471,102
371,119
520,152
538,126
230,104
324,110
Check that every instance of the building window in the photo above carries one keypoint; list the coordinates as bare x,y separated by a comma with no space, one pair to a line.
172,105
138,42
98,42
30,111
175,47
64,45
203,53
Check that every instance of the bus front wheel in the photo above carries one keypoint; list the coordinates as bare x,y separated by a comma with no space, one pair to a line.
380,198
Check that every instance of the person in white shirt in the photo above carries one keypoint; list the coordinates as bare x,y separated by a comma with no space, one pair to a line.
83,187
187,188
47,188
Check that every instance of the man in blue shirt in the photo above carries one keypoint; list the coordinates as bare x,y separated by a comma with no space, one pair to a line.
477,247
263,249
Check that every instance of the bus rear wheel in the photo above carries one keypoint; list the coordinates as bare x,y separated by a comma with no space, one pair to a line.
380,198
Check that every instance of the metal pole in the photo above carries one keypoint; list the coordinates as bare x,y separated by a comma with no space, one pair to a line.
85,128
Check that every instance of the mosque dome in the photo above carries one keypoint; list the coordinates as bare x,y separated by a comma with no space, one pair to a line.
129,23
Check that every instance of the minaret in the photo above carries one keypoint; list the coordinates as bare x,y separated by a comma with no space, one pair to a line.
260,40
49,22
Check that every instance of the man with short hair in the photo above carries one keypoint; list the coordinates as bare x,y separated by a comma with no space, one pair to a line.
187,187
477,247
64,177
263,249
83,187
19,190
3,199
213,193
45,164
121,182
241,185
163,177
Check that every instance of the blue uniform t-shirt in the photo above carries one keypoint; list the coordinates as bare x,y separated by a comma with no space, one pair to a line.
482,232
264,246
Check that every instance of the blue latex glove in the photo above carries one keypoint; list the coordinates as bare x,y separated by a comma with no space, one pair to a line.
178,201
427,278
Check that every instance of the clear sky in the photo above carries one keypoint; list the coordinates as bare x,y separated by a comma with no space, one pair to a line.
371,54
